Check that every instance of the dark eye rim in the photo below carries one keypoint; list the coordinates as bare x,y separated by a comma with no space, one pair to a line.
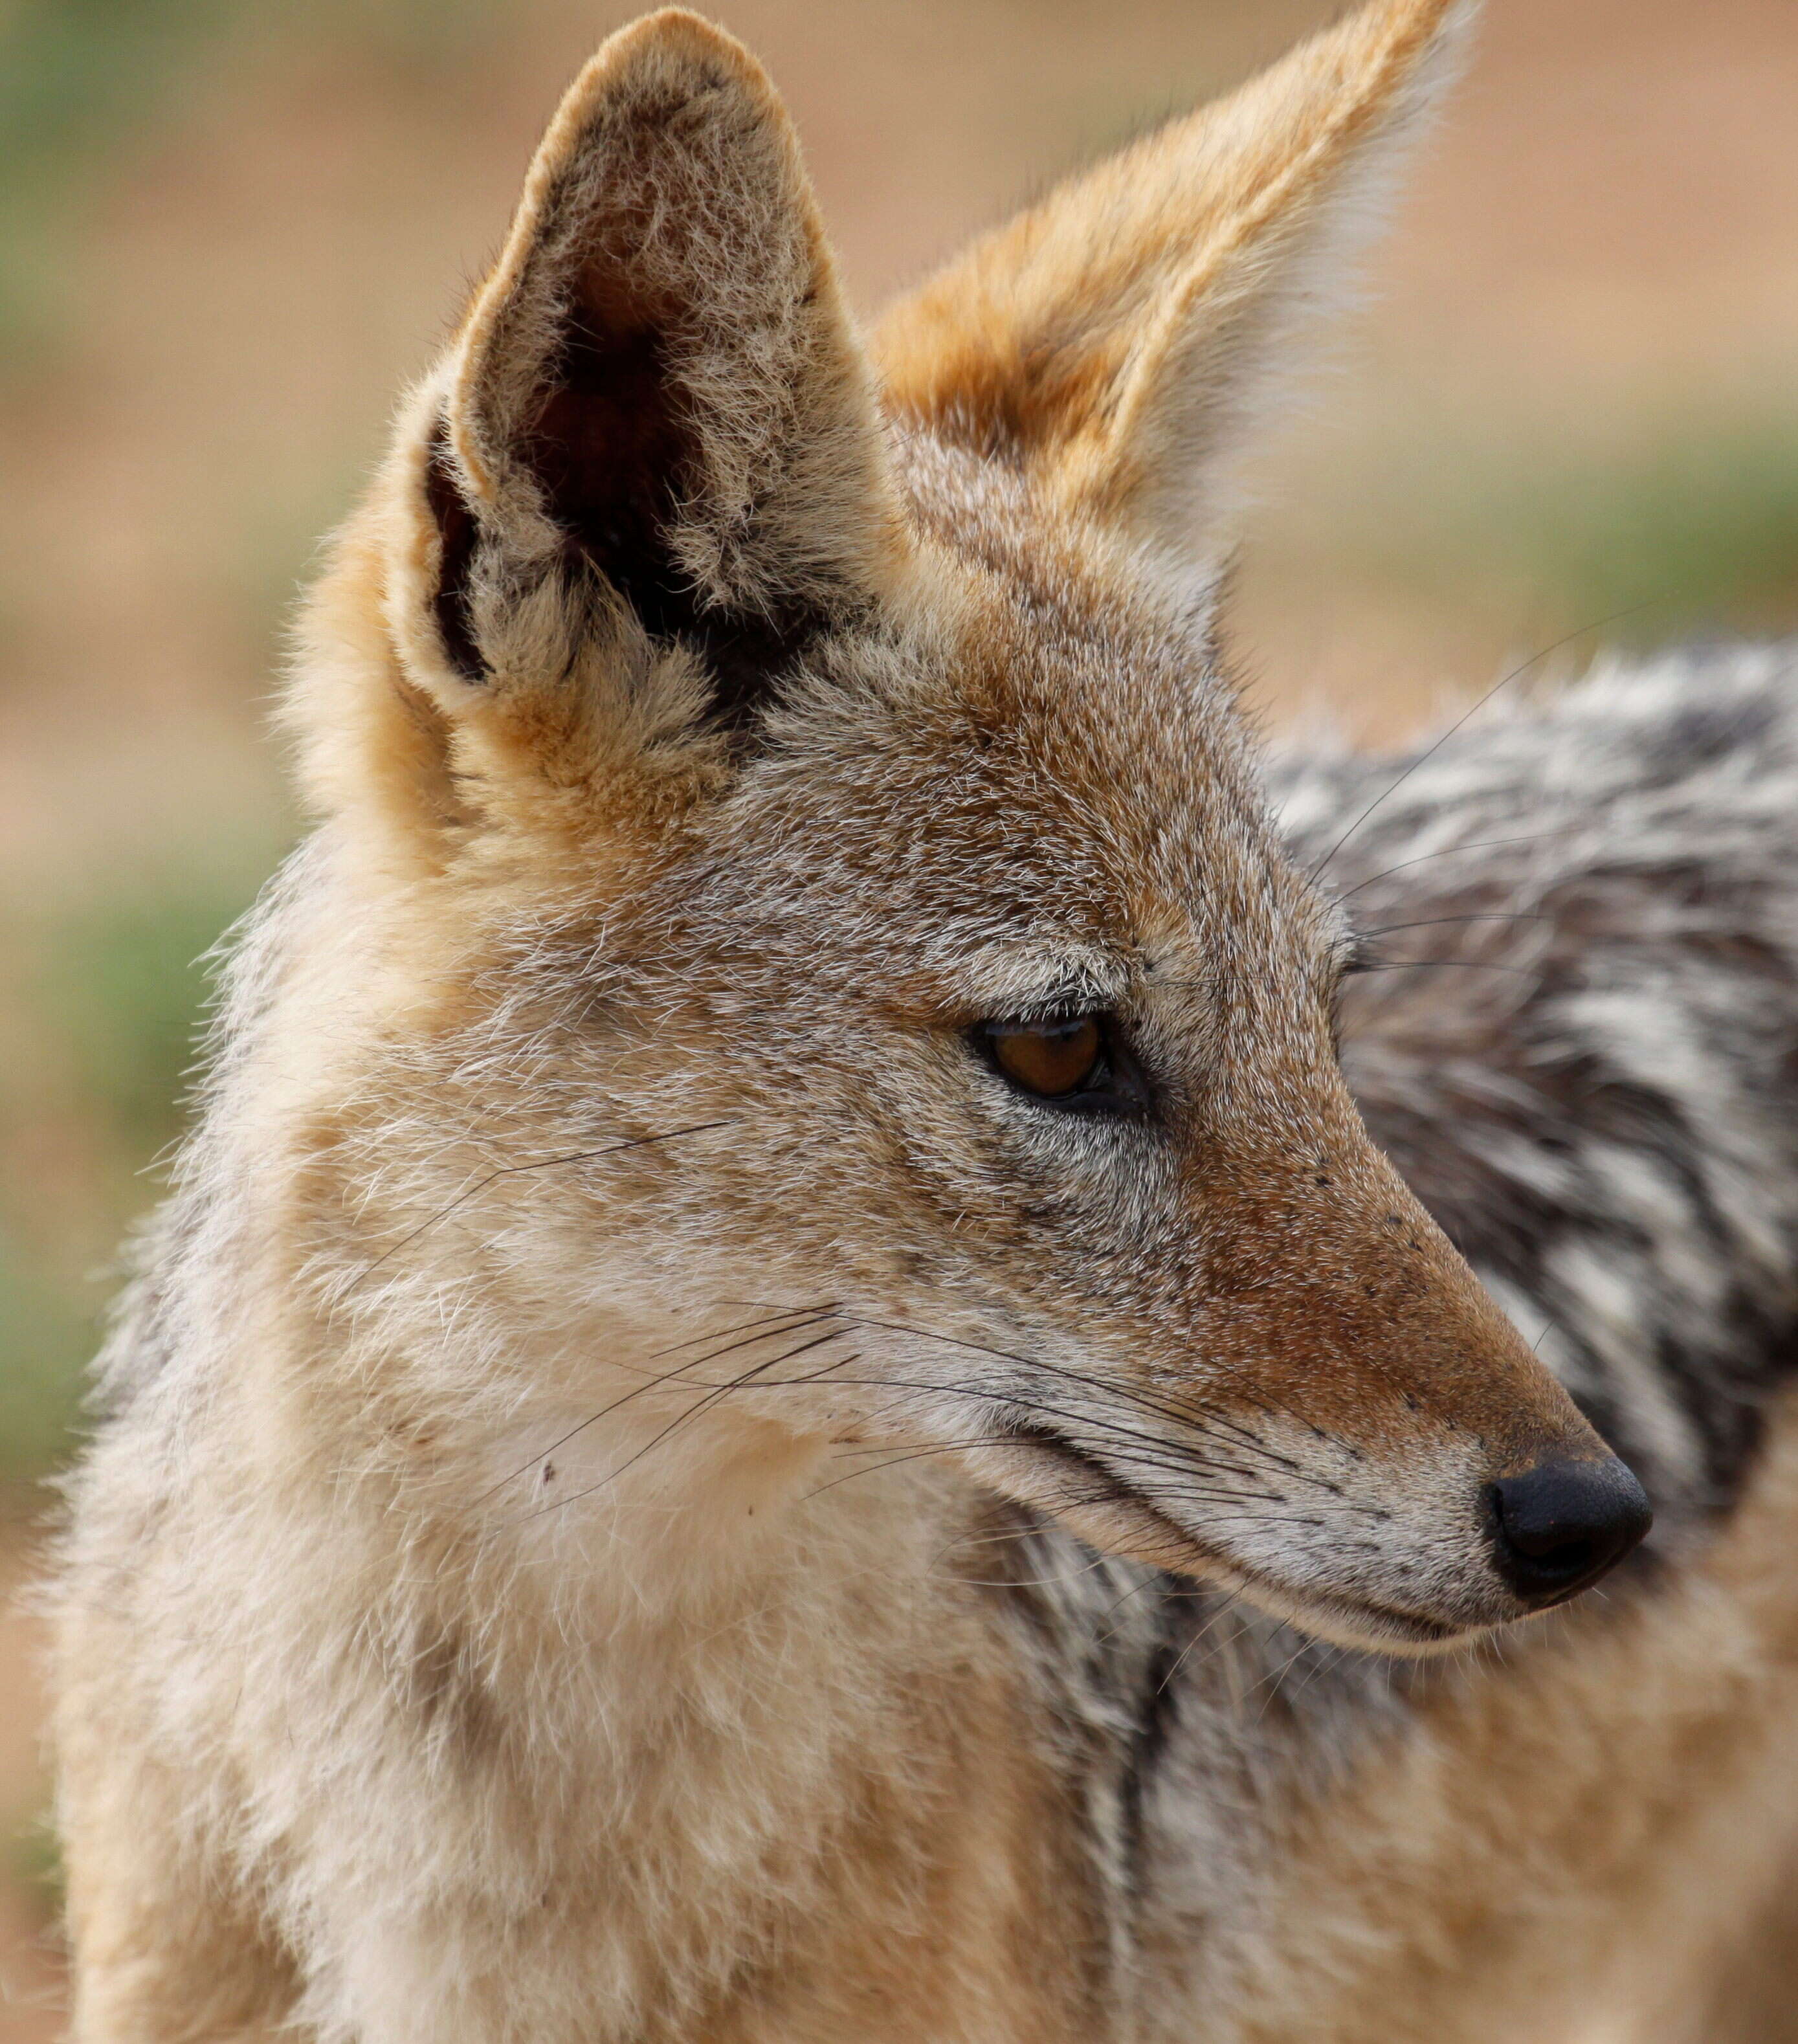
1116,1086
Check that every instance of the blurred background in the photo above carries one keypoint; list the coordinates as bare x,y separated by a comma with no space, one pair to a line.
229,228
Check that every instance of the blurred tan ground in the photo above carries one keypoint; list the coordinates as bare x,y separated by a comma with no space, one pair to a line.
1604,233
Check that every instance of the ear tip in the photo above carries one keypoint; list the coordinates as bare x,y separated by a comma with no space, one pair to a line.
675,46
679,25
1423,24
673,55
1424,16
1428,42
1453,21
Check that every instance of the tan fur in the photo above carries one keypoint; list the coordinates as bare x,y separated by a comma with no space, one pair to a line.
469,1631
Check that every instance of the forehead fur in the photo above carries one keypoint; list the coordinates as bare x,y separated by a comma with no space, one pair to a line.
1039,737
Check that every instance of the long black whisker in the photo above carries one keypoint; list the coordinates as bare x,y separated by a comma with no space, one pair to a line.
712,1398
1143,1451
1194,1417
1465,964
1448,851
823,1308
1504,682
1122,1394
1436,922
1200,1479
1199,1473
795,1321
894,1461
533,1164
1199,1420
1194,1484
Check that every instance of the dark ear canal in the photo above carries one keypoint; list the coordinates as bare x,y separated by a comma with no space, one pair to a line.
609,449
456,536
618,462
662,418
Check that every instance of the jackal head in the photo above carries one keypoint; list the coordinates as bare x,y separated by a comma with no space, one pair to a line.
811,861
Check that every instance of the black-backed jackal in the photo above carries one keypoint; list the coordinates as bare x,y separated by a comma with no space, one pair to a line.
817,1374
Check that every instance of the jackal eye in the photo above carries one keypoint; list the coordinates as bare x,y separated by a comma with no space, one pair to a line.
1050,1059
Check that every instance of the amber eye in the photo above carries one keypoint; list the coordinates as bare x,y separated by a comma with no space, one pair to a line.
1051,1058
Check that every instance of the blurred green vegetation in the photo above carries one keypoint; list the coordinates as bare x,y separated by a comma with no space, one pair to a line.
1690,524
106,995
80,80
120,982
34,1861
75,75
45,1336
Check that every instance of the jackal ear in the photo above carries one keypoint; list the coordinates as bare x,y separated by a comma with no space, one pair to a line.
657,429
1119,340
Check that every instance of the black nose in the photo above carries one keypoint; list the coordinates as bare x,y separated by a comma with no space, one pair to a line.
1560,1525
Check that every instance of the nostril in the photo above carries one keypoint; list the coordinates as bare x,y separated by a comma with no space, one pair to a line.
1559,1527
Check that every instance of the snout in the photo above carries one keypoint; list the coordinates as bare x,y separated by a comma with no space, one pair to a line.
1395,1467
1558,1527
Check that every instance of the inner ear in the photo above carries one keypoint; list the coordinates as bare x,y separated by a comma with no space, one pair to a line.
609,449
619,461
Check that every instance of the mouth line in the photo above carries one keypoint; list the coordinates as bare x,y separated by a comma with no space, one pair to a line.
1055,1447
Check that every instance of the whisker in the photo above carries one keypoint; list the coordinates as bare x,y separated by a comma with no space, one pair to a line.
1449,851
1151,1582
655,1379
1272,1682
700,1405
789,1313
1185,1651
533,1164
1331,1657
1195,1418
1504,682
1201,1473
1122,1394
1463,965
1436,922
894,1461
1193,1485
